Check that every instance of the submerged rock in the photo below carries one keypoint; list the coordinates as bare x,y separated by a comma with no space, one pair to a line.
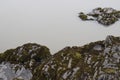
105,16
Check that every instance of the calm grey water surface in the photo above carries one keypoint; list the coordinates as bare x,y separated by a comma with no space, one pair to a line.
53,23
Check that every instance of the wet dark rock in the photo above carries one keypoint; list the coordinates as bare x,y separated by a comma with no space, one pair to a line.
105,16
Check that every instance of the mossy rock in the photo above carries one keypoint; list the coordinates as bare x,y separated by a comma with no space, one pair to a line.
78,57
104,16
25,53
83,16
109,70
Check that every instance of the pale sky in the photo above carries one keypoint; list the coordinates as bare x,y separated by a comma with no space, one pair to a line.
53,23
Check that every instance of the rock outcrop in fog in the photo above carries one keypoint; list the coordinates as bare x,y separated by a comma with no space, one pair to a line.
104,16
95,61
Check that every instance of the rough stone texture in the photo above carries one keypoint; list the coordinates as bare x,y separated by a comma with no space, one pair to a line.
105,16
19,63
96,61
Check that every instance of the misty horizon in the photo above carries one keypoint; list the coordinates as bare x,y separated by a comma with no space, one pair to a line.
54,23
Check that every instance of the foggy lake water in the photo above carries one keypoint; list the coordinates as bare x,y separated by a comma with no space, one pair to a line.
53,23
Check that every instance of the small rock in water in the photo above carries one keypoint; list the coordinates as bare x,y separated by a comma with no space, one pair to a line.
104,16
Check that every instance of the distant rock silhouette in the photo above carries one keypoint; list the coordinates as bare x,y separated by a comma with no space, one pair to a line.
105,16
